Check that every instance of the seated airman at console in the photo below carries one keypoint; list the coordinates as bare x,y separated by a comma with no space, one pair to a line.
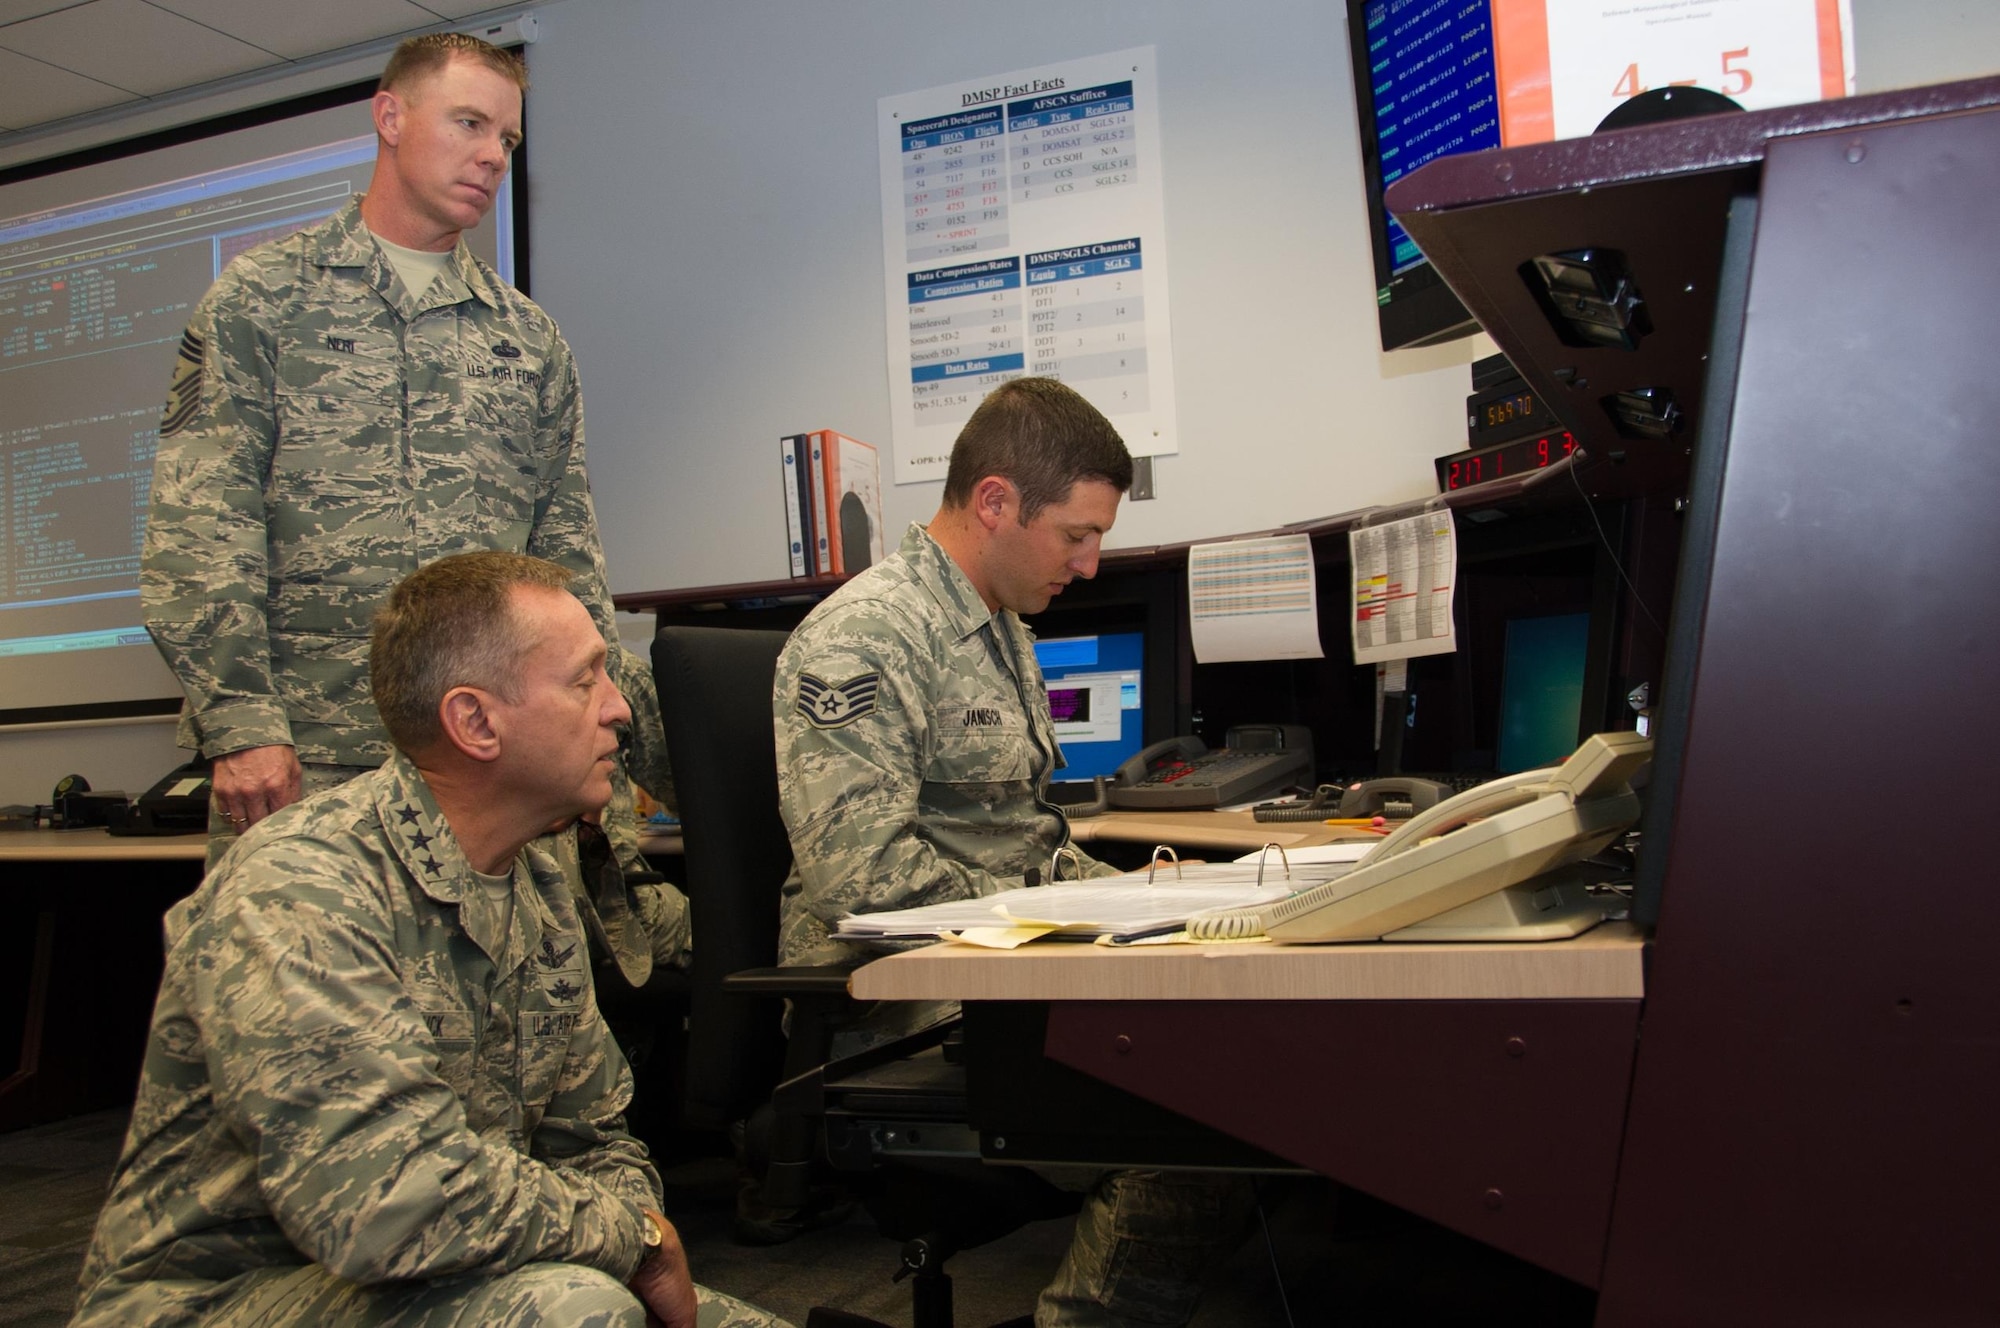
914,751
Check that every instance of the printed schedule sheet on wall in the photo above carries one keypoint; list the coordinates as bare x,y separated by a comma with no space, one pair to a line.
1023,234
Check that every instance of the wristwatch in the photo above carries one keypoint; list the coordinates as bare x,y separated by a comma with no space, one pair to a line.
654,1236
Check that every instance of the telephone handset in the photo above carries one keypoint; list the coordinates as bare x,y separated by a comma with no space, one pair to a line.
1162,755
1387,796
1476,803
1182,774
1465,848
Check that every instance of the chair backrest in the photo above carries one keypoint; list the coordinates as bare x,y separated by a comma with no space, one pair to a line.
715,703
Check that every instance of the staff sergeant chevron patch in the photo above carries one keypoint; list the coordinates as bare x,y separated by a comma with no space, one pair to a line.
827,706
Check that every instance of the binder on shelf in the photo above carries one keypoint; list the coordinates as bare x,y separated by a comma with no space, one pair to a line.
853,501
822,560
798,502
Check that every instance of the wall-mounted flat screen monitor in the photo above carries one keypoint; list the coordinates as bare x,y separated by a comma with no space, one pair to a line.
1096,697
1438,77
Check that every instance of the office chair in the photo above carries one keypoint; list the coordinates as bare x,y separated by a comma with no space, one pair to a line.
647,1019
715,702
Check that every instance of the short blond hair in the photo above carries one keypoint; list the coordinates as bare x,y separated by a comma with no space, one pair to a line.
417,58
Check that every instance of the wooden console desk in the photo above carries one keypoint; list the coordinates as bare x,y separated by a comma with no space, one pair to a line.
1602,964
98,845
1481,1086
1237,831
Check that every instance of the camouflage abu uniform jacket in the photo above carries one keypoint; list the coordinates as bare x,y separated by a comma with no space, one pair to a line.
914,740
351,1064
324,436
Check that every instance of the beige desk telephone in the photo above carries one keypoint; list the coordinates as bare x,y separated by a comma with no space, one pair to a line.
1485,865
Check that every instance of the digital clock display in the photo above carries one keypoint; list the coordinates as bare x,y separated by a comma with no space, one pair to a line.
1461,469
1516,408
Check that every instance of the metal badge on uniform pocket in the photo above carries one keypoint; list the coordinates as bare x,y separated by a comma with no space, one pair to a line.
560,968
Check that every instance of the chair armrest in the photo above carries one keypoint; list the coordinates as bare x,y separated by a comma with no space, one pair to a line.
796,981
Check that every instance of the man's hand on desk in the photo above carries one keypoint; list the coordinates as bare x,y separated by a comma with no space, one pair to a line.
249,785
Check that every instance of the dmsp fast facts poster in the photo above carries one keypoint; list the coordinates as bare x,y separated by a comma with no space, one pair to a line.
1023,233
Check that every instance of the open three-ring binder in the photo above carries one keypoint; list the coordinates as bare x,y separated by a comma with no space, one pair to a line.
1495,863
1153,901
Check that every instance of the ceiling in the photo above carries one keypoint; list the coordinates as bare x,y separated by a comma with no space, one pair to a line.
65,58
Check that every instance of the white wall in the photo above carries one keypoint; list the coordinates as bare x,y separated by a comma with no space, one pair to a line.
706,225
714,252
129,757
1908,43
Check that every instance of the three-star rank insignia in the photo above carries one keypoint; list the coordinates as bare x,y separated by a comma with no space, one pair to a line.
410,824
830,706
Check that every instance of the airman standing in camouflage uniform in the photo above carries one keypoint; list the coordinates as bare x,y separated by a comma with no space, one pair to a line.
377,1089
348,404
914,747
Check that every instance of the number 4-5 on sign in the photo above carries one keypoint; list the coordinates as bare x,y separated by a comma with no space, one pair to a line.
1736,77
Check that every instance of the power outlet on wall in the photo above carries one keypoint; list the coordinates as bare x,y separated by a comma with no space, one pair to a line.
1142,479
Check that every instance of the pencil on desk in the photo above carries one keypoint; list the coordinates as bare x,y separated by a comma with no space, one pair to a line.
1365,822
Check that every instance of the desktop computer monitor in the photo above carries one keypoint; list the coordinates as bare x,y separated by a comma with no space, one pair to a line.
1541,689
1096,697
